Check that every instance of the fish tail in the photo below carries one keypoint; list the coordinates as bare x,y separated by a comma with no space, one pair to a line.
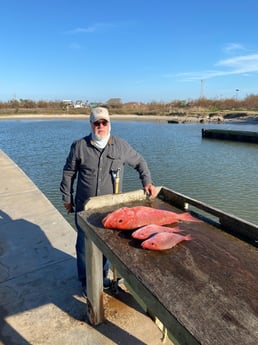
188,237
176,229
187,217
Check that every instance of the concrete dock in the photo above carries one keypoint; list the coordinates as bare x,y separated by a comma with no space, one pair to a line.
226,134
40,295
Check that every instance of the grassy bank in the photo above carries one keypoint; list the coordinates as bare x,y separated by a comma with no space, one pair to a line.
198,117
201,110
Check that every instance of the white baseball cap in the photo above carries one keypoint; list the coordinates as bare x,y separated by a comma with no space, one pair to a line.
99,113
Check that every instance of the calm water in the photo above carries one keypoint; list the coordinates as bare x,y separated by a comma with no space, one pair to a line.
220,173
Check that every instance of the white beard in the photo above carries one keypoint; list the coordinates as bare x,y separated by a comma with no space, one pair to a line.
100,142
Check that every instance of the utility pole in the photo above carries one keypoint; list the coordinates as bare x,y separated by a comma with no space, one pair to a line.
202,89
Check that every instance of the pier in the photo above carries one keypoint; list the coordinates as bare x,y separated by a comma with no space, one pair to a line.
41,302
221,134
204,292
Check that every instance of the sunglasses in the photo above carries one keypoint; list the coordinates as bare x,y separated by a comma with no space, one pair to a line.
98,123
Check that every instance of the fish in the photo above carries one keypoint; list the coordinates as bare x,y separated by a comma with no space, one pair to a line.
129,218
151,229
164,240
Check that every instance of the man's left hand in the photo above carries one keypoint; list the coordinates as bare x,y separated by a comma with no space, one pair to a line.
150,190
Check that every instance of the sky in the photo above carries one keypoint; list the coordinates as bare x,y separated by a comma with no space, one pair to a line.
135,50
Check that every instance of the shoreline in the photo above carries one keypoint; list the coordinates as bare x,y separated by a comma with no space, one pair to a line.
251,118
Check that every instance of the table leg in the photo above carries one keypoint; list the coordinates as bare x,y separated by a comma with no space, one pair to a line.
94,264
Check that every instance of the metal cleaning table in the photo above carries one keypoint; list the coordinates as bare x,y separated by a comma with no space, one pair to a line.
204,291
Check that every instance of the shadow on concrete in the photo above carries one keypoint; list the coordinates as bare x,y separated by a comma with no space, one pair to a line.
34,274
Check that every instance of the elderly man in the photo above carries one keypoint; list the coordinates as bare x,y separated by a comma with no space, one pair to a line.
95,160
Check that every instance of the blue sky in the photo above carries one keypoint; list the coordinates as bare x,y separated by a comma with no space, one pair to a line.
136,50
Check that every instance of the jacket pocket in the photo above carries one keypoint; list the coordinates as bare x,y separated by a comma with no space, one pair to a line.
116,164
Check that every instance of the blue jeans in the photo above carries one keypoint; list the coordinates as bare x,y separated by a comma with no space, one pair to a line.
80,252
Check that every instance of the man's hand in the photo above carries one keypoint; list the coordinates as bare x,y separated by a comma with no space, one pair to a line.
69,207
150,190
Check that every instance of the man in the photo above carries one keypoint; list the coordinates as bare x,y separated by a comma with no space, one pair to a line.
96,160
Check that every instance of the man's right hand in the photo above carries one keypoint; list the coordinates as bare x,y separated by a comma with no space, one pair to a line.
69,207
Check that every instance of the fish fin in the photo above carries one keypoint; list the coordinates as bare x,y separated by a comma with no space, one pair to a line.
176,229
187,217
188,237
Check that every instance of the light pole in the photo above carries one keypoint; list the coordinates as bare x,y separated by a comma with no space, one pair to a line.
237,90
202,89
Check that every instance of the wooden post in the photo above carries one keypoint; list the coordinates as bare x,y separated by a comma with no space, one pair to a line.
94,260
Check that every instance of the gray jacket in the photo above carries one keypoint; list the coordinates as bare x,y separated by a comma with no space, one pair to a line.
94,169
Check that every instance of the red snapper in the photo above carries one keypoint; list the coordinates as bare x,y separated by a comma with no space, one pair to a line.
149,230
129,218
164,240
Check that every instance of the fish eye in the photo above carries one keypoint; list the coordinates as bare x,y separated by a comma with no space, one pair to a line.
120,220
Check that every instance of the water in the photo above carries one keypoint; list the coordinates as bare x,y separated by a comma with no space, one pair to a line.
222,174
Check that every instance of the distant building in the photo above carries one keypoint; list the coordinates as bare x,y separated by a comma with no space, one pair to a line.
67,101
77,104
80,104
